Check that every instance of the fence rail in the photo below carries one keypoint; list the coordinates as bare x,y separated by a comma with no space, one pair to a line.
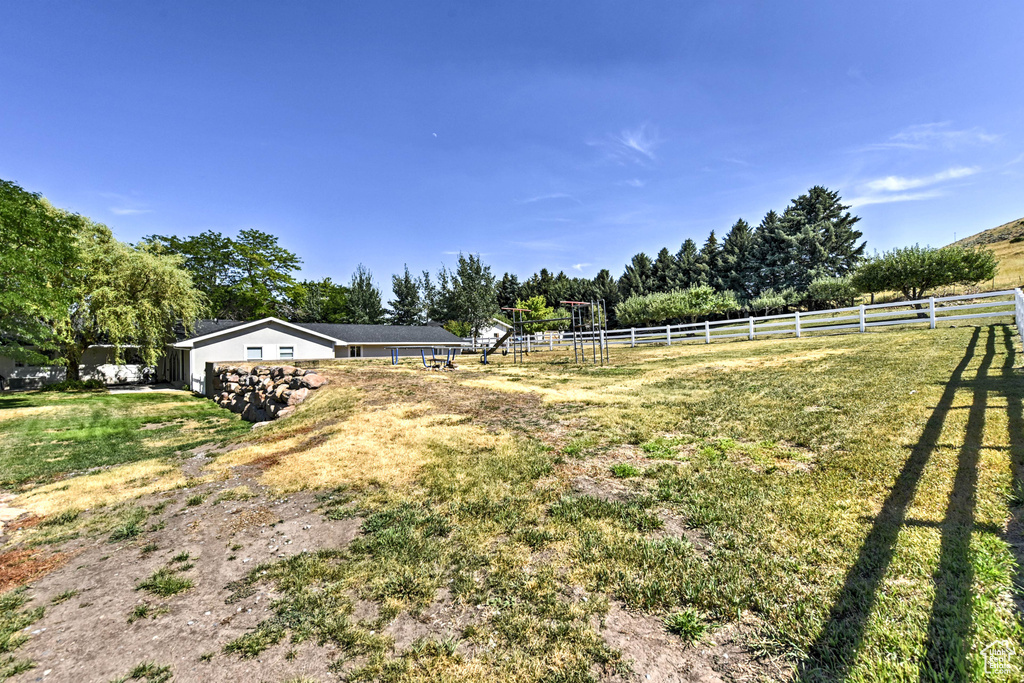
931,311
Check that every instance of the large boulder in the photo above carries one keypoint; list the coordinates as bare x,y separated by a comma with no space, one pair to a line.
313,381
297,396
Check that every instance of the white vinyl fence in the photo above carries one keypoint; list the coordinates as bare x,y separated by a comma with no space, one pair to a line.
1007,305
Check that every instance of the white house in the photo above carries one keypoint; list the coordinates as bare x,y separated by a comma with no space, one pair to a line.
272,340
491,333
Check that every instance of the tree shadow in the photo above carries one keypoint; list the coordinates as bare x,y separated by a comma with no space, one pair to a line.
1013,389
948,641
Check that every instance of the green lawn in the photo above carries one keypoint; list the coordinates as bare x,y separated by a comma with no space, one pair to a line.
48,434
847,495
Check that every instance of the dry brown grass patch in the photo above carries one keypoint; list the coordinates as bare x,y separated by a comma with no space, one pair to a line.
388,445
114,485
14,413
18,567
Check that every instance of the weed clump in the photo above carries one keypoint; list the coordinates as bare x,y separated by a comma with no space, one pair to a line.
130,524
624,471
686,624
165,582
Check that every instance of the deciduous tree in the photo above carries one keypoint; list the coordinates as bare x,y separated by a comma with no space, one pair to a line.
38,250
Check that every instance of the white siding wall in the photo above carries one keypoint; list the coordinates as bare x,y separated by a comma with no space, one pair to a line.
271,336
30,376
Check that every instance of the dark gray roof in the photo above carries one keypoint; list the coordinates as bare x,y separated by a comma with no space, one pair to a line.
205,327
353,334
384,334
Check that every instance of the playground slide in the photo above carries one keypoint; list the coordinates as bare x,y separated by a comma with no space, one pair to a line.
498,343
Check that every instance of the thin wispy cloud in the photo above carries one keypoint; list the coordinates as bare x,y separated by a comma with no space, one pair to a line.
899,184
540,245
892,198
549,197
636,145
581,266
635,182
125,205
933,135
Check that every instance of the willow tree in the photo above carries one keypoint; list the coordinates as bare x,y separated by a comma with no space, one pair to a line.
127,297
37,250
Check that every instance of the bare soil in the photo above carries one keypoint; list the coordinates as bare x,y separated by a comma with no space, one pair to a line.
88,638
657,656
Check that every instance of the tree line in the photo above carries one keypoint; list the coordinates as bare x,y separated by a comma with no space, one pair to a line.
68,283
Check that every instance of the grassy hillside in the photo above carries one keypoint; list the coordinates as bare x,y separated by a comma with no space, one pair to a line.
1007,241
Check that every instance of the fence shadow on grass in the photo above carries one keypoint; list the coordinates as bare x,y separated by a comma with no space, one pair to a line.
947,645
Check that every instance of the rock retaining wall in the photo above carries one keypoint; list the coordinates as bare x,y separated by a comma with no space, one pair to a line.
263,392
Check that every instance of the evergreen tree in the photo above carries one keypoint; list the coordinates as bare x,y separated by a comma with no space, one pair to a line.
540,284
737,260
822,235
407,306
607,289
690,272
772,257
711,259
665,271
364,298
638,279
509,290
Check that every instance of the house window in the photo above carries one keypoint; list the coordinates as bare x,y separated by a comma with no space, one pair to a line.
355,352
286,352
19,363
254,353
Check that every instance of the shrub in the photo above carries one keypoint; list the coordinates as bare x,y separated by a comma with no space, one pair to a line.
831,292
699,301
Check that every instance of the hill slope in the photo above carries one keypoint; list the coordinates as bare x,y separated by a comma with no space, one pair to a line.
1007,241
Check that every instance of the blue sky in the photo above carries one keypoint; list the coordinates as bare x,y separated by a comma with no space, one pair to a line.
540,134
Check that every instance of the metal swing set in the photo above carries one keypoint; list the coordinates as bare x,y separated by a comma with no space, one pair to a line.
588,323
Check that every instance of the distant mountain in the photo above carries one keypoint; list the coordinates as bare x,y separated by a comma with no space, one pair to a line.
1002,233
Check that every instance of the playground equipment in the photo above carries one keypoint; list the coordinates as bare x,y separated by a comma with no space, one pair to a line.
435,361
588,323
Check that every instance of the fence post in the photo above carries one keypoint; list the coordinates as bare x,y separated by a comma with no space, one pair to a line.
632,337
750,335
707,332
551,342
931,312
862,318
668,334
797,318
528,343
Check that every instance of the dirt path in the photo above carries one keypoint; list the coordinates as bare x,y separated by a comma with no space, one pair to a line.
88,637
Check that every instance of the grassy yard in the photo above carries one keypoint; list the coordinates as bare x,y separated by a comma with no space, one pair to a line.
47,435
845,499
822,509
